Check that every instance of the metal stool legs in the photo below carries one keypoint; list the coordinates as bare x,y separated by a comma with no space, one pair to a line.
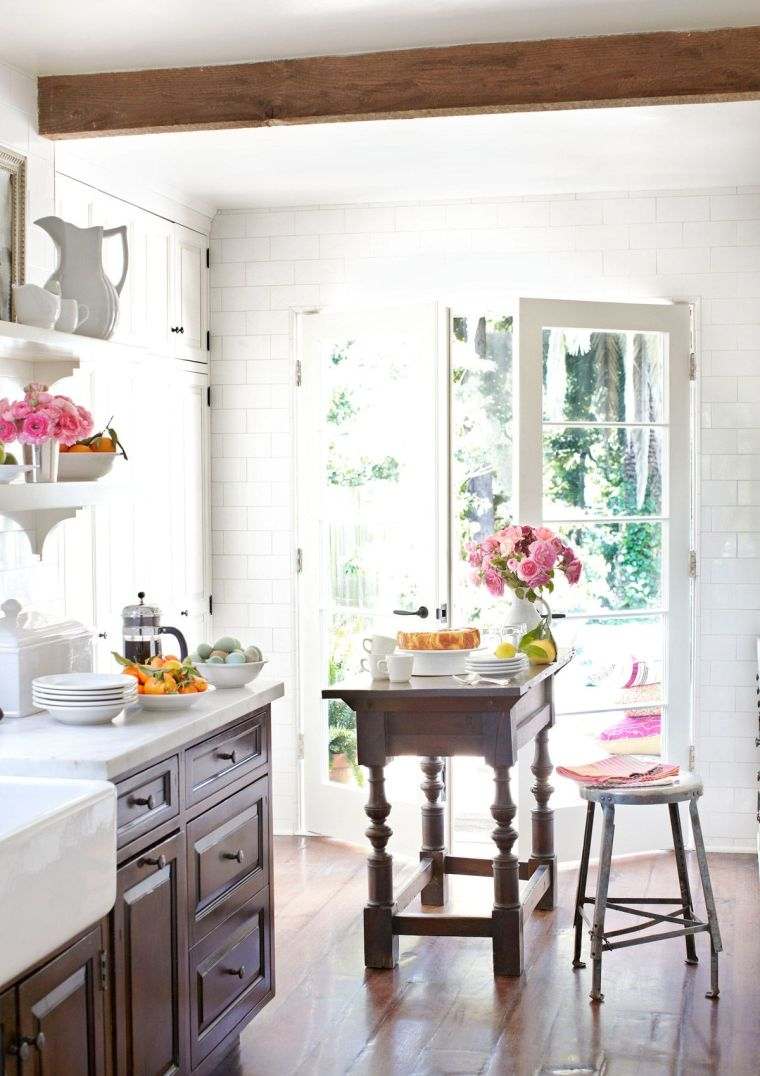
712,918
580,895
600,904
683,878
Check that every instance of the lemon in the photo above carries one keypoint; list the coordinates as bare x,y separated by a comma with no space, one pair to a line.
541,652
505,650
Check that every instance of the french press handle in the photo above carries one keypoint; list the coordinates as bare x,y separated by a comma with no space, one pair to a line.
180,639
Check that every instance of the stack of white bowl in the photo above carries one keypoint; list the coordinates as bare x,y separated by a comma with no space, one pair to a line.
486,663
84,698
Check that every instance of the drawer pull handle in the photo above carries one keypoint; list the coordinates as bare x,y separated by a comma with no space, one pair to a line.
153,861
227,756
20,1048
239,855
240,972
143,801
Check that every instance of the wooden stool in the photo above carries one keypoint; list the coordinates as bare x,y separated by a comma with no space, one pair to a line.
688,787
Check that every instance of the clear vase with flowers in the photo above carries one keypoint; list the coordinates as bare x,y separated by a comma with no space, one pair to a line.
526,561
41,422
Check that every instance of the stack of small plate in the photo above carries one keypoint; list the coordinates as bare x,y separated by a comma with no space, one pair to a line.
84,698
486,663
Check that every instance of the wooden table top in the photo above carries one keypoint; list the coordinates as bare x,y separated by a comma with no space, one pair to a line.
430,687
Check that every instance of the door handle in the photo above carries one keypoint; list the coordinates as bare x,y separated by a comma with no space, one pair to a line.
422,612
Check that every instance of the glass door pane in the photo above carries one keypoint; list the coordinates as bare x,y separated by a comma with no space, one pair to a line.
604,391
482,417
368,507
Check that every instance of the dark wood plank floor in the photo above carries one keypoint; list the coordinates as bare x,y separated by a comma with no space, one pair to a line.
441,1011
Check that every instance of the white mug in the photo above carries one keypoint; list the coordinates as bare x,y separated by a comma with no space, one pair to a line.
397,667
378,646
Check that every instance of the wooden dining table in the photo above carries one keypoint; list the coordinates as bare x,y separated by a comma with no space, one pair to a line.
436,718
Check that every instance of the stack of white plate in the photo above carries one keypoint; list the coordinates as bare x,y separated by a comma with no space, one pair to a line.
84,698
486,663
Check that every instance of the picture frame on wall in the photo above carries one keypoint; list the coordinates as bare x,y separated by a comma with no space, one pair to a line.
12,227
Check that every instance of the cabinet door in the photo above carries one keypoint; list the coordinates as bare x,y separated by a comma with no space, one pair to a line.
61,1011
159,296
191,294
150,956
191,498
8,1021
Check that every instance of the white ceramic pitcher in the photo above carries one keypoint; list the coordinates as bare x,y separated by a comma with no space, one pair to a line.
80,272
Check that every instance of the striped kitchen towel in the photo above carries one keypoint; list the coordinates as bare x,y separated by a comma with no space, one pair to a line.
616,770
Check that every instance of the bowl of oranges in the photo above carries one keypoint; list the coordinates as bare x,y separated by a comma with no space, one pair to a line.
91,458
165,683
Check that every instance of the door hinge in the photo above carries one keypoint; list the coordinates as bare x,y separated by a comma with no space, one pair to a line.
299,560
211,604
692,564
300,749
208,257
103,965
692,758
692,366
299,374
208,395
208,340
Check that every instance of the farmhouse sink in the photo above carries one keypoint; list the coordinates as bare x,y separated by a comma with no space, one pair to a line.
57,865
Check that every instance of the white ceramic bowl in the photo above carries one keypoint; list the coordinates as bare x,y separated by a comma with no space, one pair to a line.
9,471
170,702
229,676
437,662
84,466
86,715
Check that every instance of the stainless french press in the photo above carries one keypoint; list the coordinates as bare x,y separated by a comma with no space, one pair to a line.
143,630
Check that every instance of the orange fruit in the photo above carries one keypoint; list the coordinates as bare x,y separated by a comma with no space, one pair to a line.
63,448
200,684
154,686
103,444
187,689
80,448
170,685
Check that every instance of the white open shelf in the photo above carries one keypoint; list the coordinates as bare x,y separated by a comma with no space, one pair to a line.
37,507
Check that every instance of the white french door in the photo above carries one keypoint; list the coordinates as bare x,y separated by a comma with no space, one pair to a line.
372,532
603,458
419,431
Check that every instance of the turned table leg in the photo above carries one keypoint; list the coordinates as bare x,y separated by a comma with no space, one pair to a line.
542,819
433,830
380,943
507,912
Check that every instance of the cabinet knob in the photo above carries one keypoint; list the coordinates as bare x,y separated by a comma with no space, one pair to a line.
143,801
177,328
102,634
227,756
240,972
152,861
184,612
238,855
21,1048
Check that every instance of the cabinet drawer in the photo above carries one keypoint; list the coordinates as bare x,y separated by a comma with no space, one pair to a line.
229,856
147,800
230,974
224,758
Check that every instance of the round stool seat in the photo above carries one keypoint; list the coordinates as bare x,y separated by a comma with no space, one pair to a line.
684,787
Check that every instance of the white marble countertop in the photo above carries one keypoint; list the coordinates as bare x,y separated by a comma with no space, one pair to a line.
38,746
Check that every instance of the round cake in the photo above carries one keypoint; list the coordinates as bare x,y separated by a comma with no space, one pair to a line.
449,639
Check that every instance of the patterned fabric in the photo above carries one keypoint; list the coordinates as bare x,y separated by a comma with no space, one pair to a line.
615,771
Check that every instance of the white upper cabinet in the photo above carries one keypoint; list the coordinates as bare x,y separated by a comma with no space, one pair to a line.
164,301
191,294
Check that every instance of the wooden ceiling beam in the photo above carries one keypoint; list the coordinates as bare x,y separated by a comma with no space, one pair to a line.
516,76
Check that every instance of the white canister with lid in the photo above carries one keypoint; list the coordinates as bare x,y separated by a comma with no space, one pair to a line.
29,647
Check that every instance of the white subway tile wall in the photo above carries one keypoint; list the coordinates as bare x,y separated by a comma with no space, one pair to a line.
686,245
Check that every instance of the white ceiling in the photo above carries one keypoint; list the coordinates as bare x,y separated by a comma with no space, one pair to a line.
57,36
454,157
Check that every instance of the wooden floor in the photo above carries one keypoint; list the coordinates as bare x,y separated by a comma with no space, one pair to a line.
441,1011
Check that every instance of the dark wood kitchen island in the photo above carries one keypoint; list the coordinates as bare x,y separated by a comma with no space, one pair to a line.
437,718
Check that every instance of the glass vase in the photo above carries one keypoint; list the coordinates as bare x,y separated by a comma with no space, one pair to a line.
44,459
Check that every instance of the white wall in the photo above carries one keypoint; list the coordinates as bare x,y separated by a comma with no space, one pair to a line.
701,245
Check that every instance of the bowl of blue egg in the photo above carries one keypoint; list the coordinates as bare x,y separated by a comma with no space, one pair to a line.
228,663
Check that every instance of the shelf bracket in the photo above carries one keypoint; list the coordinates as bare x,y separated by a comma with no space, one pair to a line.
39,523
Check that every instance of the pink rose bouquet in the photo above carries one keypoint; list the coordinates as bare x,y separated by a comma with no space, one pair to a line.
43,416
525,559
